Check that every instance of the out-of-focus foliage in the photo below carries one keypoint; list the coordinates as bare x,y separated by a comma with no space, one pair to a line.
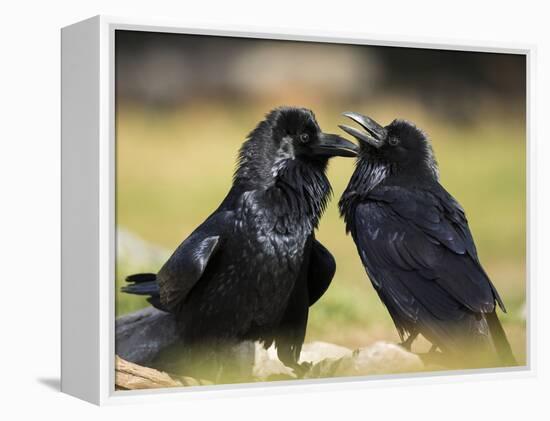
177,144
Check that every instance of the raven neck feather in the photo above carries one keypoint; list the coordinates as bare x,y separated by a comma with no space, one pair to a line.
300,193
294,192
367,175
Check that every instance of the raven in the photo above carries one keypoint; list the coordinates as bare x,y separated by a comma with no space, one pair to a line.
251,270
414,241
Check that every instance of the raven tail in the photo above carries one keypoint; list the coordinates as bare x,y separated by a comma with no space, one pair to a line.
144,284
503,348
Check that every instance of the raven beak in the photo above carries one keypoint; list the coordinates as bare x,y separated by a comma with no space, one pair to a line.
376,131
334,145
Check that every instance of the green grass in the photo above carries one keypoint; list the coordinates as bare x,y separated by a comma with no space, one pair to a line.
174,168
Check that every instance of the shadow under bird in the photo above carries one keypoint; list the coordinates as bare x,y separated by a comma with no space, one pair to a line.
413,239
251,270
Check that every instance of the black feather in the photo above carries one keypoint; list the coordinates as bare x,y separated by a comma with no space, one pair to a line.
414,241
246,272
145,284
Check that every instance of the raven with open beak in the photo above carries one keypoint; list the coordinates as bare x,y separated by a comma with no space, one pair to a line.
414,241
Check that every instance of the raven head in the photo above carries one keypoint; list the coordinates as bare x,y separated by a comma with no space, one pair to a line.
287,137
400,146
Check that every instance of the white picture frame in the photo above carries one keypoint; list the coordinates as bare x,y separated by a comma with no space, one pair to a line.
88,213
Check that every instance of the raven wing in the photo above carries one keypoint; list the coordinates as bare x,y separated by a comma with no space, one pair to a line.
320,271
420,255
185,267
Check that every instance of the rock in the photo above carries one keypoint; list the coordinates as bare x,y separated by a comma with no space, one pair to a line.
328,360
379,358
268,366
314,352
142,335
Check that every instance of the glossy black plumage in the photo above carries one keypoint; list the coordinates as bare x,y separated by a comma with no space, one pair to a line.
253,268
414,241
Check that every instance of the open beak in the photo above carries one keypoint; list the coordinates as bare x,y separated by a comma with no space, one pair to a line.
334,145
375,133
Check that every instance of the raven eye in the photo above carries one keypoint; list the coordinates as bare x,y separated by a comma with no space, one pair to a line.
304,137
393,141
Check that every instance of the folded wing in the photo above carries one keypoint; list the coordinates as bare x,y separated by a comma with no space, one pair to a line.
420,256
184,268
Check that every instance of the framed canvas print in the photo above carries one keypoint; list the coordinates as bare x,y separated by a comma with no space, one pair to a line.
288,210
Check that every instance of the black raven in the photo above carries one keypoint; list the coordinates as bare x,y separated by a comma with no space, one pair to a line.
253,267
414,241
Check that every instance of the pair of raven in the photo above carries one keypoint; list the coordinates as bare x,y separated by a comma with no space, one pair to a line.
253,268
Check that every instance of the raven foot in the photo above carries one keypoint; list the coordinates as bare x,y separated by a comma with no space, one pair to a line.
301,369
434,357
408,342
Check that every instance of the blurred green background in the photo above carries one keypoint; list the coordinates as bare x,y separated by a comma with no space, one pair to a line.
185,104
